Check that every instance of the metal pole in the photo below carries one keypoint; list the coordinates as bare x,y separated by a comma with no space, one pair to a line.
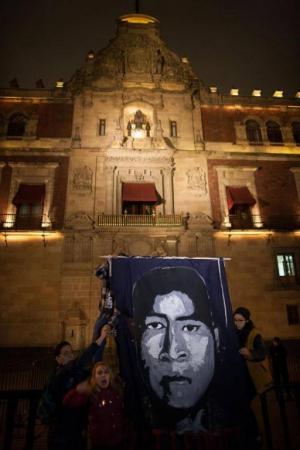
265,413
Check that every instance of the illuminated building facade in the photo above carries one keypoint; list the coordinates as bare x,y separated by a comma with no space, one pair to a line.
136,155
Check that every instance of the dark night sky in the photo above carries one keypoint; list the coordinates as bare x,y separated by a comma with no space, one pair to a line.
242,43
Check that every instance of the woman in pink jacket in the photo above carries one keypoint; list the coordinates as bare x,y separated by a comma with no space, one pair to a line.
106,418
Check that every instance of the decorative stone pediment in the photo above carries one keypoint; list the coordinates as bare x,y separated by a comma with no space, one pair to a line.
136,55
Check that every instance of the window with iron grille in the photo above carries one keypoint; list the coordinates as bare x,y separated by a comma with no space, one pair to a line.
274,132
16,125
293,314
253,131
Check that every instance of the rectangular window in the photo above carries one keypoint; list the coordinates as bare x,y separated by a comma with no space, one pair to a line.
102,127
293,314
173,128
286,265
29,203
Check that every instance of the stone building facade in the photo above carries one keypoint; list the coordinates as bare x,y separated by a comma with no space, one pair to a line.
136,155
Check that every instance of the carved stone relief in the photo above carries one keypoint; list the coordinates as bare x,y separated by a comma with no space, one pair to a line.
196,180
140,247
159,248
119,246
82,179
139,176
79,220
138,61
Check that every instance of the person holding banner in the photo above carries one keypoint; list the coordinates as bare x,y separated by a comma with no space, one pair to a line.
258,375
178,349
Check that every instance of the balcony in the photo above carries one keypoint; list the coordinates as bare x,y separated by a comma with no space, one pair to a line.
280,222
15,222
135,220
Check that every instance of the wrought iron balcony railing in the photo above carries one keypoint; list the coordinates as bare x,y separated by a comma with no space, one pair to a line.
15,222
135,220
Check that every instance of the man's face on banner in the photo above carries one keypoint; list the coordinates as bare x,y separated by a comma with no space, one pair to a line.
178,350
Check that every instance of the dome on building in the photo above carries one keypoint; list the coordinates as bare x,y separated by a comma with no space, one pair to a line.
136,56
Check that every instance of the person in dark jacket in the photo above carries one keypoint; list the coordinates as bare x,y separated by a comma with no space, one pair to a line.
258,378
105,409
65,427
278,355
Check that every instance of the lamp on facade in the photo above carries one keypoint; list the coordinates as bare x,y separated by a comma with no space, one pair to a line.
91,55
60,83
256,93
213,89
278,93
234,91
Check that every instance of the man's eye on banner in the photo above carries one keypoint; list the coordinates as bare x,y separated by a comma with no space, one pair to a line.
174,337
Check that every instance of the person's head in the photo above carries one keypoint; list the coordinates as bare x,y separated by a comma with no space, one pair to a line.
276,341
174,333
241,317
101,376
64,353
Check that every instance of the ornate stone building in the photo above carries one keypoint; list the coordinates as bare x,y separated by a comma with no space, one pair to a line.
135,155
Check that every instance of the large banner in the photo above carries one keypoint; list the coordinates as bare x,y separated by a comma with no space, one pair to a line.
177,344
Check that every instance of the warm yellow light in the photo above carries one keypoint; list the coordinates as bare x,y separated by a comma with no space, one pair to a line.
91,54
256,93
278,94
255,233
138,18
60,83
213,89
234,91
30,236
297,95
185,60
138,133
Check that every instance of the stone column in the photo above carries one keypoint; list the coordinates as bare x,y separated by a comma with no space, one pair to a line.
109,186
162,187
287,135
1,167
197,125
169,190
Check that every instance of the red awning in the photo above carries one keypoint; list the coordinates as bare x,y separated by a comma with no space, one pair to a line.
239,195
139,192
31,194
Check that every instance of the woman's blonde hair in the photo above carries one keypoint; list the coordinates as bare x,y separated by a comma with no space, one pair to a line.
115,381
92,379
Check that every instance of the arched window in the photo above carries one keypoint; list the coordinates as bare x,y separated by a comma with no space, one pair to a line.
253,131
16,125
296,131
274,132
